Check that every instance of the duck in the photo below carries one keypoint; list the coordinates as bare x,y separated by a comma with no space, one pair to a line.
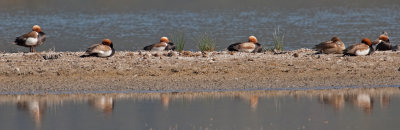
383,42
163,45
333,46
105,49
360,49
32,39
103,103
250,46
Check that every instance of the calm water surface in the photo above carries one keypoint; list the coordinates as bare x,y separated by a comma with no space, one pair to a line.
364,109
75,24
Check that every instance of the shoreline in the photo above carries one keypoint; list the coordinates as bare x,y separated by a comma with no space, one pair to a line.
194,71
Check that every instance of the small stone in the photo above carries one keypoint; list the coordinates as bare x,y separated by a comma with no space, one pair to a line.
388,59
146,56
156,55
171,53
296,55
205,54
130,54
174,70
214,59
198,54
187,53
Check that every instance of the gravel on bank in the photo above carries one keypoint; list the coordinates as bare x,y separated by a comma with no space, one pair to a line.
191,71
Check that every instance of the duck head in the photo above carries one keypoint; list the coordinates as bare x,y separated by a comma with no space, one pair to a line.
384,38
253,39
335,39
366,41
107,42
164,39
36,28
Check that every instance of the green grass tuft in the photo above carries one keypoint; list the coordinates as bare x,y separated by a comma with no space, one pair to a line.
278,39
179,39
205,42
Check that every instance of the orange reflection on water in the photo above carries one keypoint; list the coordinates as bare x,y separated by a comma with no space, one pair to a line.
335,100
103,103
362,99
34,107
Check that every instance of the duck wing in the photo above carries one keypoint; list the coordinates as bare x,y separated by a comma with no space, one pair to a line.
234,47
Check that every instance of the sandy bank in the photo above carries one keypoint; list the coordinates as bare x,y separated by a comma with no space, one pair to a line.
66,71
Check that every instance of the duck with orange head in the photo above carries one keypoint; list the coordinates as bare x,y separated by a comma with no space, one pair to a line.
163,45
32,39
250,46
105,49
383,42
360,49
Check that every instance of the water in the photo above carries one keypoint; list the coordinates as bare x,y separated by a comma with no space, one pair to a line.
75,24
371,108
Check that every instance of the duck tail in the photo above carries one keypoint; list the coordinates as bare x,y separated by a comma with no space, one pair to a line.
147,48
83,56
86,55
233,47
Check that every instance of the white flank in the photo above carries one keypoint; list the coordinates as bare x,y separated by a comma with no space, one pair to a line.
31,41
246,50
104,53
158,49
362,52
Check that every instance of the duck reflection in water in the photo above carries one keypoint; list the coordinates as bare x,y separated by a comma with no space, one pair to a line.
253,102
252,99
384,100
103,104
165,100
335,100
35,108
363,101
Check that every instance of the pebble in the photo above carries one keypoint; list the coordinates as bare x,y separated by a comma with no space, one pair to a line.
171,53
296,55
174,70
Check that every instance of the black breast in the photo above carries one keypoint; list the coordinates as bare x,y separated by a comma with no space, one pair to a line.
383,46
